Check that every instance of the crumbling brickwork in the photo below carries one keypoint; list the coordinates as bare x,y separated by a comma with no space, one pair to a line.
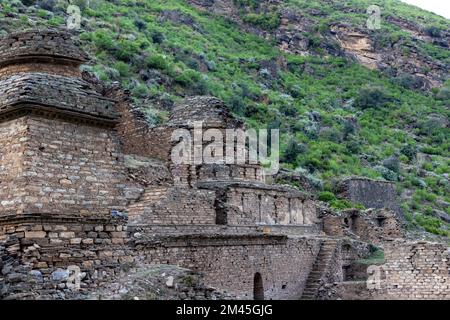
40,251
372,225
87,186
231,262
417,270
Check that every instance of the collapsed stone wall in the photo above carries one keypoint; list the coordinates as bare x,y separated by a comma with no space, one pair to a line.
39,255
419,270
411,271
231,263
137,137
372,225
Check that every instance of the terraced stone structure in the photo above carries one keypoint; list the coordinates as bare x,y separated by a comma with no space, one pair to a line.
88,188
60,161
77,157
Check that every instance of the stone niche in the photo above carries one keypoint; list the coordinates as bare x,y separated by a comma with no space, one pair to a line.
252,203
372,225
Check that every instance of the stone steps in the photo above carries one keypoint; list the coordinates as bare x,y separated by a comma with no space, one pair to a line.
320,265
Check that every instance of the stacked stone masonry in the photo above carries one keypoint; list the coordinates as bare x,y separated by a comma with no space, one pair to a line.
87,185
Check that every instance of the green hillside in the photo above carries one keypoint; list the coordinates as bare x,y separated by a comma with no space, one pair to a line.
337,117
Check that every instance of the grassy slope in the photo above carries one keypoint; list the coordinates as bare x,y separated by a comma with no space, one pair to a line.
209,55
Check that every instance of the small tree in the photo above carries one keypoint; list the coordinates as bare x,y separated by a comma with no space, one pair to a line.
372,97
293,149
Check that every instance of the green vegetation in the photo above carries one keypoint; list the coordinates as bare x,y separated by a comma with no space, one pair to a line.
337,118
376,257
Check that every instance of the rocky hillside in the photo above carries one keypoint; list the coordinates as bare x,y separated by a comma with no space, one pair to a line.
348,100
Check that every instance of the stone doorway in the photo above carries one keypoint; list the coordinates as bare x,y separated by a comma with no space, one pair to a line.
258,287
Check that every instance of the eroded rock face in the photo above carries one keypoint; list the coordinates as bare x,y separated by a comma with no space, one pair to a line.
359,44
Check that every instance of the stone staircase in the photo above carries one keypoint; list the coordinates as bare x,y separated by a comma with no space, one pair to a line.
319,268
150,196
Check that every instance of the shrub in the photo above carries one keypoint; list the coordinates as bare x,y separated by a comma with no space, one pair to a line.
409,150
125,50
253,4
45,4
443,94
157,62
433,31
349,128
372,97
293,149
103,40
140,24
289,110
157,37
267,21
188,77
326,196
123,68
386,173
409,81
140,91
330,134
392,163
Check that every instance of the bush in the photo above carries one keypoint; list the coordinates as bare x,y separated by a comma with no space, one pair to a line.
433,31
326,196
188,77
157,62
410,151
157,37
386,173
123,68
126,50
45,4
267,21
330,134
392,163
140,24
103,40
372,97
443,94
408,81
140,91
293,149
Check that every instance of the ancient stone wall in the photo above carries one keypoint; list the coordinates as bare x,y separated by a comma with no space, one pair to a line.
231,263
175,206
57,44
229,172
12,177
137,136
39,253
370,193
374,226
67,69
258,206
58,92
417,270
72,168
